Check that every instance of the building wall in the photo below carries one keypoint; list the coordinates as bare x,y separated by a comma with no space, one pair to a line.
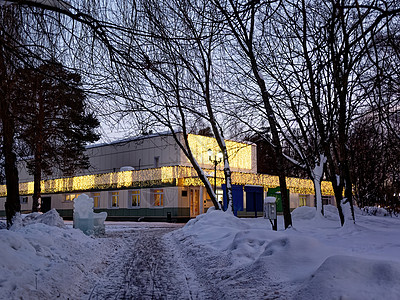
155,151
242,156
144,153
148,154
140,153
176,200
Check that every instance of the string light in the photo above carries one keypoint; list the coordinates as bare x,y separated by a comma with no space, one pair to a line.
240,158
164,176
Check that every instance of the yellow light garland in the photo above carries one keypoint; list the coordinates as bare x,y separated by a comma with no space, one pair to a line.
174,175
239,153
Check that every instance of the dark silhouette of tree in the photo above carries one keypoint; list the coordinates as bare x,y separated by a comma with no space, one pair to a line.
375,162
55,123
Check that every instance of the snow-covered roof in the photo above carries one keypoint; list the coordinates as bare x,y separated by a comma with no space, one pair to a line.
130,139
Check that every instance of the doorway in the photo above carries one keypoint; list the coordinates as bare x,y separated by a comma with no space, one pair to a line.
46,204
194,198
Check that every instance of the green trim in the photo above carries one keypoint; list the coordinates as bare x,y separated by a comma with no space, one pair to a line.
136,213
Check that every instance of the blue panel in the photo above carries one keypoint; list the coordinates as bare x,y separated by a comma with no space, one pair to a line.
237,191
237,195
254,198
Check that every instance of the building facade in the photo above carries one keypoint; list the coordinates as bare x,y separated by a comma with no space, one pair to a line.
150,178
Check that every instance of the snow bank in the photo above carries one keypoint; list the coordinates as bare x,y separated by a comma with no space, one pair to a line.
316,259
41,259
3,225
348,277
304,213
215,228
51,218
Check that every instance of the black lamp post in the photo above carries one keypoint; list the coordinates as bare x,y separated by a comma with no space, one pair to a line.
216,159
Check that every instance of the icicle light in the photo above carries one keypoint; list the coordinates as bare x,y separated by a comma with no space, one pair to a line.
240,157
164,176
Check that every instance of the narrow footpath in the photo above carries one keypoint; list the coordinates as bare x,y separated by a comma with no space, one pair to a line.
141,267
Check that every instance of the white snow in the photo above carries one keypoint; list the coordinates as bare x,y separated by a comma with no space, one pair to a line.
269,200
316,259
127,168
41,258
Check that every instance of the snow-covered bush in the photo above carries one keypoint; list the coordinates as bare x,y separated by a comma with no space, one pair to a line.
374,211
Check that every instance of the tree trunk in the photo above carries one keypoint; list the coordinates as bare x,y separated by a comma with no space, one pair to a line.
275,140
317,175
37,177
12,205
38,149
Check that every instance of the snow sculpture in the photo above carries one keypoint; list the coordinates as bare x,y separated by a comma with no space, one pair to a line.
84,217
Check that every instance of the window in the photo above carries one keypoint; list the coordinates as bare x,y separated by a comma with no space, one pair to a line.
220,195
326,200
96,199
24,200
134,197
114,200
156,161
158,197
70,197
302,200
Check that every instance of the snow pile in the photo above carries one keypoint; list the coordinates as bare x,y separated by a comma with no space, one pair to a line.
330,212
217,256
3,225
215,228
41,261
304,212
51,218
349,277
316,259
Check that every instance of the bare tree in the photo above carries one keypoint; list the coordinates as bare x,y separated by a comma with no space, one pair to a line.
241,24
150,62
178,70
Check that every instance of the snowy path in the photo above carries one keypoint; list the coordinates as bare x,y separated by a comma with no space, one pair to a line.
215,256
213,274
146,262
142,267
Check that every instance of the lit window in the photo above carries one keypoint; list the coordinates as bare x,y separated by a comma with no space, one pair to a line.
302,200
135,198
71,197
96,199
158,197
114,201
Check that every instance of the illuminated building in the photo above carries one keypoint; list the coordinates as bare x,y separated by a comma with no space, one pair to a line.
149,177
